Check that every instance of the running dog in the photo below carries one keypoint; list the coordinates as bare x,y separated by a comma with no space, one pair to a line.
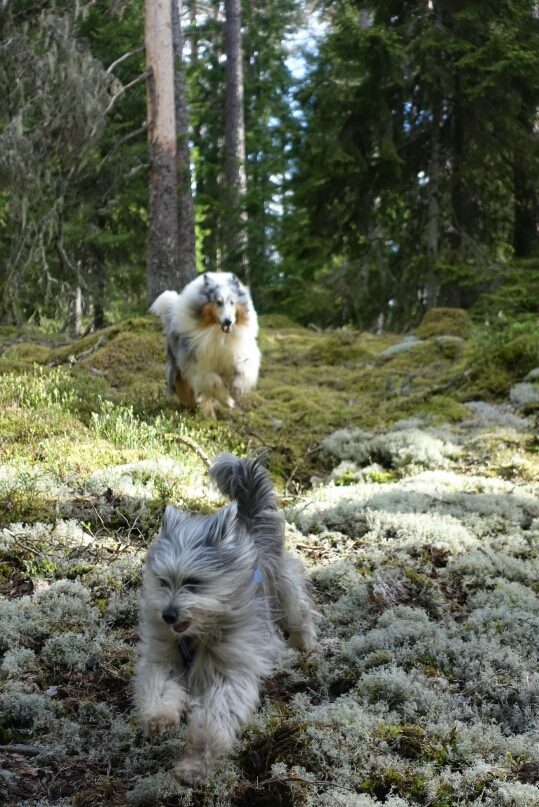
211,328
217,591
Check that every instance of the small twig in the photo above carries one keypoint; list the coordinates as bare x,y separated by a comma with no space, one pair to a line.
137,80
293,778
23,546
259,437
188,441
123,58
85,353
135,171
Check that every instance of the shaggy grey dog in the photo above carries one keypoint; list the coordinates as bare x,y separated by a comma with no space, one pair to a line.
216,589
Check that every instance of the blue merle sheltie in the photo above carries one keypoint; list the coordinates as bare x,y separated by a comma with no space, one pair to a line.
211,328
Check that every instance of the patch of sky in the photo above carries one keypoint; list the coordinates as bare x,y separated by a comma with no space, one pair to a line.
304,43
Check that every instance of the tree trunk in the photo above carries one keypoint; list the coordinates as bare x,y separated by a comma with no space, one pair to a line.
458,195
99,304
76,312
163,271
186,213
235,140
525,226
432,283
525,241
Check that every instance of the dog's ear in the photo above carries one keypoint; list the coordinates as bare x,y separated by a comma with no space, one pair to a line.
169,520
222,527
206,280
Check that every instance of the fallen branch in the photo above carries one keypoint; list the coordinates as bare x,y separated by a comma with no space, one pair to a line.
190,443
24,546
85,353
26,750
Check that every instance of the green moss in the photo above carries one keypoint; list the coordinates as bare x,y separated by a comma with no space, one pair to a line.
26,507
487,381
384,477
277,321
519,356
28,352
450,346
444,321
387,781
445,409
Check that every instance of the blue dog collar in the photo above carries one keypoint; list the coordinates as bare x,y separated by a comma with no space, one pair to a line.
256,577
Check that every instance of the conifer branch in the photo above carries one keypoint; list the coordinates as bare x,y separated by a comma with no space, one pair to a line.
120,143
137,80
123,58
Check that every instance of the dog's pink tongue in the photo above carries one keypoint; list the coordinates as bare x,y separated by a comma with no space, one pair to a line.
226,328
179,627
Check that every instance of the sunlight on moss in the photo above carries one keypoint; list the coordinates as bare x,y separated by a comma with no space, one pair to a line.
415,512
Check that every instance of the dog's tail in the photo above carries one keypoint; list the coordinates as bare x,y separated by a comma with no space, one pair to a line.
163,307
248,483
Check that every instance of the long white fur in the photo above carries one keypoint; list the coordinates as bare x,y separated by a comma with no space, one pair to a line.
218,366
232,619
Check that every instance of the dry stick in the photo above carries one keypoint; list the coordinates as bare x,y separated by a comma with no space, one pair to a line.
23,546
85,353
188,441
293,778
27,750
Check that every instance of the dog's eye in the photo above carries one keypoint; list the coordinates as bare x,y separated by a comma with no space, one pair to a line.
163,583
219,301
190,583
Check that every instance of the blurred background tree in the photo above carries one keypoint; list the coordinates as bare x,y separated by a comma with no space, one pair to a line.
391,157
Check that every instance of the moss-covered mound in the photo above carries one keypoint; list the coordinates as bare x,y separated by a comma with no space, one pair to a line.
443,321
310,384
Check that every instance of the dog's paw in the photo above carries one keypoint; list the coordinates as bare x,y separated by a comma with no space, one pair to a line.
191,771
303,640
208,408
159,721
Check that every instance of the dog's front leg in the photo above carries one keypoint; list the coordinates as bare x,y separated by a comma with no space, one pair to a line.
160,698
213,726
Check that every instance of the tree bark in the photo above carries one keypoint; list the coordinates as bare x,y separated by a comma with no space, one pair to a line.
525,227
186,212
525,240
236,180
433,214
76,312
163,270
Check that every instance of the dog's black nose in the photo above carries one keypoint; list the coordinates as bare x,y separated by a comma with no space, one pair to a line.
170,616
227,322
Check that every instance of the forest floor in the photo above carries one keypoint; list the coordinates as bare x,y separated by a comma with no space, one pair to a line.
408,468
